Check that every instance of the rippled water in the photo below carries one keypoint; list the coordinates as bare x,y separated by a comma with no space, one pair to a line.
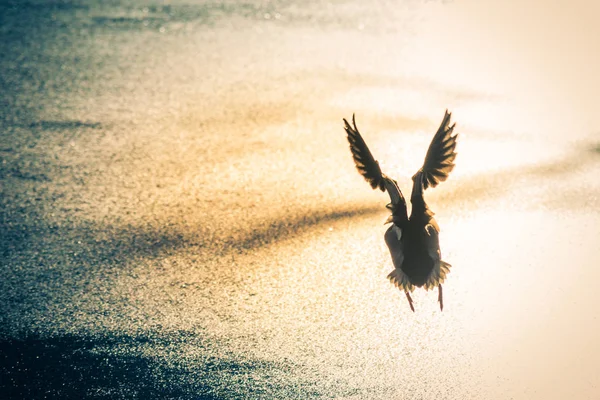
182,219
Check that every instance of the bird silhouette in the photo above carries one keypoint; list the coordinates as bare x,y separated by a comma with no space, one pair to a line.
413,241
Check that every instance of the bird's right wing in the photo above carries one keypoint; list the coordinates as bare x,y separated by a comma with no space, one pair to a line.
439,161
365,163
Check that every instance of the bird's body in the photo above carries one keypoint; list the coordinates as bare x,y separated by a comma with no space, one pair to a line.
412,240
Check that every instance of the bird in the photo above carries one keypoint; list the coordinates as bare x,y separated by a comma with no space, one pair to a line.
413,241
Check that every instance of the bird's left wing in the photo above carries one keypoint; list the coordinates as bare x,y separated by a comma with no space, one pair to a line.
439,161
365,163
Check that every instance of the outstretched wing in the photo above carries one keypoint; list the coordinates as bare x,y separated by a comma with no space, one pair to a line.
439,161
366,165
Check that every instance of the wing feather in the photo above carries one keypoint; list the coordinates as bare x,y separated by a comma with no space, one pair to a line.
365,163
439,161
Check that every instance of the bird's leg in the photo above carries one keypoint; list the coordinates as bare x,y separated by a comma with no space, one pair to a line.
410,302
440,298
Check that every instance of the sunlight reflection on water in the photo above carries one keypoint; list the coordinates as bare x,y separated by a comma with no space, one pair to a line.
182,169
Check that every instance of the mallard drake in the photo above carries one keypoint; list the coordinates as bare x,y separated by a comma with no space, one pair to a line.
413,241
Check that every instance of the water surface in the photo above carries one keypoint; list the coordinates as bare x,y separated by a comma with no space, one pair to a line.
182,219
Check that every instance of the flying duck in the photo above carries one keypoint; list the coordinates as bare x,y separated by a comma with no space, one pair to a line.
413,241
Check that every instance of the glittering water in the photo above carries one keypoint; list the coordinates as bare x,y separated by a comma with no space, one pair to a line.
182,219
